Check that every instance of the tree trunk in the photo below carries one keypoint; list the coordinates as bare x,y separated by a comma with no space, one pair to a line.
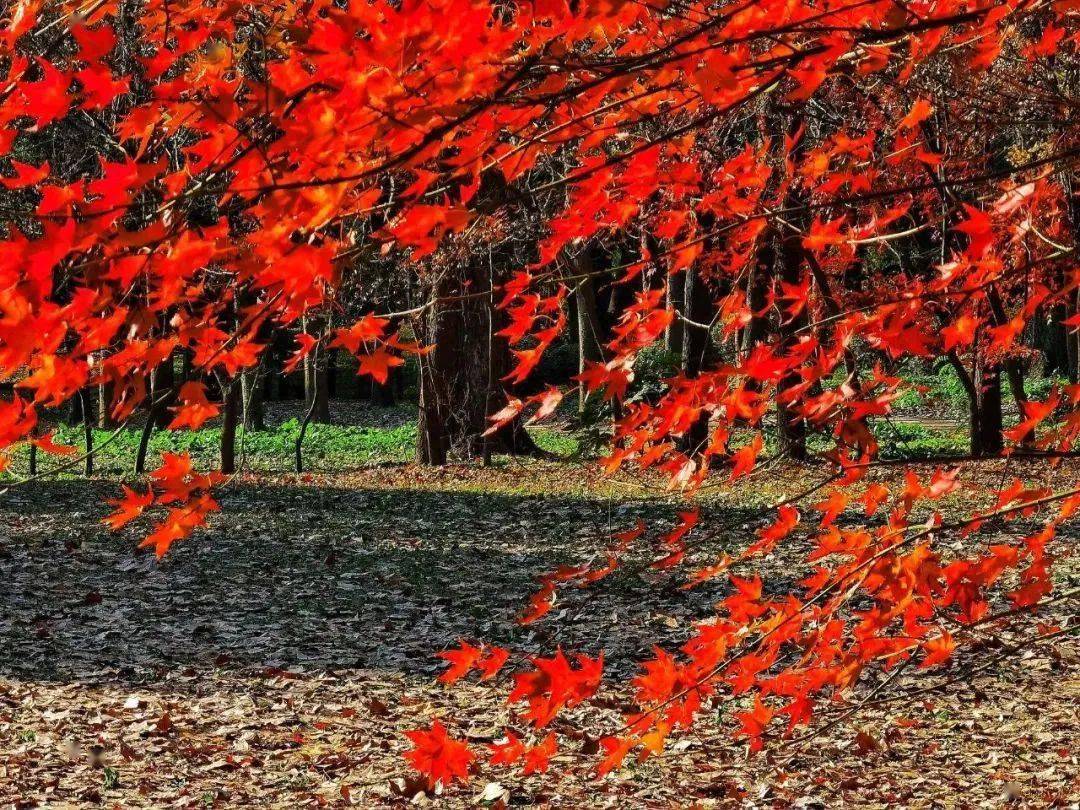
164,393
757,294
790,425
697,348
230,414
1072,342
88,431
251,395
456,391
988,440
76,411
331,374
160,397
1054,342
316,390
983,388
104,398
676,298
588,323
322,390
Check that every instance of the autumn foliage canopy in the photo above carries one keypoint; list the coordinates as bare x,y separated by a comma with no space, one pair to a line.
246,161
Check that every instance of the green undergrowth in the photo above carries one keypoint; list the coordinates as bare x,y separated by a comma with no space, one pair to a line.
943,392
325,448
915,440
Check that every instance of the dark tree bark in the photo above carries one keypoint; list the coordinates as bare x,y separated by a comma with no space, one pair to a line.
316,388
88,431
321,393
230,415
589,327
456,377
251,397
76,410
791,426
104,401
757,294
676,295
985,422
1053,340
697,347
162,395
989,440
1072,341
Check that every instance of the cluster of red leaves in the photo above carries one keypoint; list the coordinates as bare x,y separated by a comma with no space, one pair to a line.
784,655
176,485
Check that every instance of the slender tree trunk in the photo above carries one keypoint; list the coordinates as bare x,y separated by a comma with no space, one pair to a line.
1072,342
165,393
88,431
144,446
104,399
791,426
147,431
298,448
985,423
160,397
697,348
308,367
433,441
588,322
251,397
76,411
440,328
757,294
331,374
316,390
1053,338
322,390
970,383
1013,369
676,298
230,415
1072,298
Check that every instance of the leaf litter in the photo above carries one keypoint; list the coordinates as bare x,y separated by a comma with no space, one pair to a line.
277,658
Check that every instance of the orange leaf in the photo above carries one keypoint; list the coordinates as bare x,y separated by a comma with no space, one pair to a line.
438,756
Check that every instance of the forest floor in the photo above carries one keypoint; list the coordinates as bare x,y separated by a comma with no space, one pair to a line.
276,658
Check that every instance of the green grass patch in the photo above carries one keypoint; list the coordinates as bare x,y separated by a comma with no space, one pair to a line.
326,447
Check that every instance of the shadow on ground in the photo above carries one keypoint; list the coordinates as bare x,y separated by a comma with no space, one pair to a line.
315,577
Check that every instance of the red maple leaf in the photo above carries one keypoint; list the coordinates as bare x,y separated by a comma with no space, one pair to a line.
439,757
